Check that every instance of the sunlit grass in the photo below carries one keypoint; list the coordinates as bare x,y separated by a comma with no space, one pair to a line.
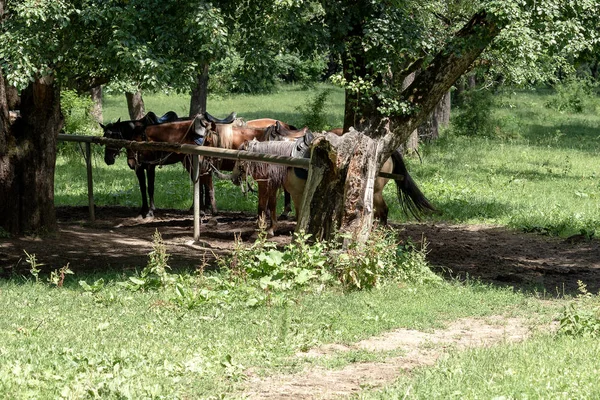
66,342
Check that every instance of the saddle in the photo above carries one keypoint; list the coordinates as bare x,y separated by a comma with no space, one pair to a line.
302,150
151,119
227,120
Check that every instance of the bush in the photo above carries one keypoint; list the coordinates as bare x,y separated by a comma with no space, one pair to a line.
574,96
77,111
474,118
313,112
382,258
582,316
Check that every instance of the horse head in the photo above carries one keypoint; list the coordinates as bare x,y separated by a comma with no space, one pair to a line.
122,130
111,131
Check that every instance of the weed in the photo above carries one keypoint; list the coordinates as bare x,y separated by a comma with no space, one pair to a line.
96,287
33,266
582,316
57,277
383,257
313,111
154,275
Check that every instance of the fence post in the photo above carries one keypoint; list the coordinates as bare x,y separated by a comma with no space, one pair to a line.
196,180
90,182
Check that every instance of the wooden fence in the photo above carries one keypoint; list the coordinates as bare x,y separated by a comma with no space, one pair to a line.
185,149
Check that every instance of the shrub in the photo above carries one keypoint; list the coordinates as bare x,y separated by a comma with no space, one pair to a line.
575,96
313,112
475,116
382,258
77,111
582,316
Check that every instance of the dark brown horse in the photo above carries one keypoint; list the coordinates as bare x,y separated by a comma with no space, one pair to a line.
271,177
150,129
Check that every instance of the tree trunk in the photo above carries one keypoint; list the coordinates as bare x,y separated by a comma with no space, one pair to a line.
200,92
340,165
411,144
443,109
27,163
4,115
96,94
440,116
12,96
135,105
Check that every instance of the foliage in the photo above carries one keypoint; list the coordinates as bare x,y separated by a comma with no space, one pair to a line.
34,269
57,277
77,112
155,274
298,265
573,96
474,117
581,317
382,258
313,112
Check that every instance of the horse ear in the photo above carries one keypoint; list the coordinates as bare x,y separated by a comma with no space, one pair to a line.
119,120
277,126
102,126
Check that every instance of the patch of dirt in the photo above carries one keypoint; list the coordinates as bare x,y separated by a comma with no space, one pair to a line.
500,256
119,240
419,348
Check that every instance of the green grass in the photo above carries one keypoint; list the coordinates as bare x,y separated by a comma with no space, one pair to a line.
544,180
546,367
283,104
116,343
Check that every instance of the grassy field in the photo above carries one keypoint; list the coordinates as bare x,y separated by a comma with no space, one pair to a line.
155,334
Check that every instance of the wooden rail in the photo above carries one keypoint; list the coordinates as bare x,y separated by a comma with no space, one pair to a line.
185,149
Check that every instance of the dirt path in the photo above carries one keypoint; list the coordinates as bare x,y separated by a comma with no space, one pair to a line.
418,348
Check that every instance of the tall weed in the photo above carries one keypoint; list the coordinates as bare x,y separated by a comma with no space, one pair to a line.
313,111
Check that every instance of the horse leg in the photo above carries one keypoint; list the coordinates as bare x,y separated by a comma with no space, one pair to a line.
272,204
295,187
381,208
209,193
141,175
151,173
287,205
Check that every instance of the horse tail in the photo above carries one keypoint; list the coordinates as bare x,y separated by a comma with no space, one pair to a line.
412,200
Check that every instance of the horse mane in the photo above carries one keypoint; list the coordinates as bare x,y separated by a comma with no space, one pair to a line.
225,136
275,174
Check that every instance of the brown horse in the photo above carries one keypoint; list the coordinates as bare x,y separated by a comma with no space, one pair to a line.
183,131
228,135
271,177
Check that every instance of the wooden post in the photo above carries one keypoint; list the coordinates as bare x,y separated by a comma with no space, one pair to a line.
196,180
88,163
